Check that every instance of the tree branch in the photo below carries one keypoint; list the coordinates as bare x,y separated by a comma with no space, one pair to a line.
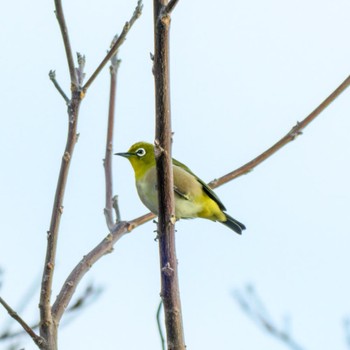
170,292
48,329
110,200
292,134
52,75
66,41
48,326
137,13
71,283
159,325
89,292
170,6
36,338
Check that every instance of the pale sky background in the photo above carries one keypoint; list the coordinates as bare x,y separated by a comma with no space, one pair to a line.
243,73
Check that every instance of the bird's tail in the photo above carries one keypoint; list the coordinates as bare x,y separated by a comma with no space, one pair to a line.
233,224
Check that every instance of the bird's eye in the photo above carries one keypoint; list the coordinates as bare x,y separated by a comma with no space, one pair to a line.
140,152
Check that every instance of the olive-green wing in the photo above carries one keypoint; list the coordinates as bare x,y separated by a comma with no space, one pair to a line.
206,188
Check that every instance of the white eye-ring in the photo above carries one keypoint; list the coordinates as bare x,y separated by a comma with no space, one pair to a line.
140,152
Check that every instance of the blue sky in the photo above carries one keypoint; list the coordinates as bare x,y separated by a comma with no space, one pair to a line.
243,74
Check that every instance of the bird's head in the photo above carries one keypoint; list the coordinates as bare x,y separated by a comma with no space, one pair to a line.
141,157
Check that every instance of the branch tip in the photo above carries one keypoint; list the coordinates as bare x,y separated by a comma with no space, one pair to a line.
118,43
52,76
170,6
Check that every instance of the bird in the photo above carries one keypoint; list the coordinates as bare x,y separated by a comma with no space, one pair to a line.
193,197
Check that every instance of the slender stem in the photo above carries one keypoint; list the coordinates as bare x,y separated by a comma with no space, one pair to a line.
115,47
170,292
48,328
36,338
52,75
170,6
142,220
159,325
66,41
71,283
290,136
110,202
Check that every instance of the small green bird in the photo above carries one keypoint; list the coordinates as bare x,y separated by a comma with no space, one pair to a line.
193,197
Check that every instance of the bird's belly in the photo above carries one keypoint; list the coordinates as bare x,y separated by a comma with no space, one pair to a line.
148,195
184,208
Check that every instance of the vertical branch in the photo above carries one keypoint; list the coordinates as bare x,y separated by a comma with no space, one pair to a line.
48,324
109,143
48,327
66,41
166,214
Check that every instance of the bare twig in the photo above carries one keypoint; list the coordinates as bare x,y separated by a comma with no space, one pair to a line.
170,6
110,200
80,69
66,41
48,329
118,43
159,325
142,220
20,307
253,306
116,208
52,75
71,283
81,302
36,338
292,134
170,291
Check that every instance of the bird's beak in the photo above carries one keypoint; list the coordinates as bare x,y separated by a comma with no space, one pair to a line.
124,154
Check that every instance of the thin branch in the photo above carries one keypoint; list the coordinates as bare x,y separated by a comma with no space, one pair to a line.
170,291
141,220
116,208
292,134
64,31
159,325
253,306
170,6
26,298
137,13
71,283
110,200
52,75
80,69
80,303
48,329
36,338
